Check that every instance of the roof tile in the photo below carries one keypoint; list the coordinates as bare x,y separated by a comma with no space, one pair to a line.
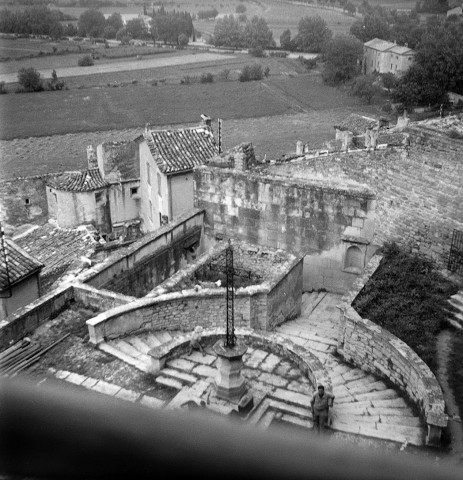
20,264
80,181
179,150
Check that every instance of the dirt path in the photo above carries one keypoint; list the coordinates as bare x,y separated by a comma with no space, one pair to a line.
123,66
444,343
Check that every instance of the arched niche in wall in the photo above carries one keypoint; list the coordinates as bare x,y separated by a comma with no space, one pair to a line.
355,249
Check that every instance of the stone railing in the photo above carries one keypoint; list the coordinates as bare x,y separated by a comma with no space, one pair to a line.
378,351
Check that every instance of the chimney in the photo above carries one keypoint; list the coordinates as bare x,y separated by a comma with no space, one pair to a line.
207,121
299,149
219,122
92,161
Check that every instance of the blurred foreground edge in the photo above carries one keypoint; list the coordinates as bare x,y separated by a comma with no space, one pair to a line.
56,432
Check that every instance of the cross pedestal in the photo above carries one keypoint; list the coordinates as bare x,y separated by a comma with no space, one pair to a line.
229,383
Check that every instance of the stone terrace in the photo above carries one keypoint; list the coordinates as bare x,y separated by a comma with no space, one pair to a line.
364,405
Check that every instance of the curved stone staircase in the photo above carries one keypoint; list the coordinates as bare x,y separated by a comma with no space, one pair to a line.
456,317
364,404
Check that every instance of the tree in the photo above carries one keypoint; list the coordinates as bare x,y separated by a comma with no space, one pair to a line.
389,81
91,23
115,21
182,40
257,34
350,8
369,27
286,42
228,32
365,87
136,28
29,79
123,36
437,67
240,8
342,59
313,34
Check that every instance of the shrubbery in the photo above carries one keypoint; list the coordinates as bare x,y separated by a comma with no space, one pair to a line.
206,78
29,79
2,88
85,61
408,297
251,72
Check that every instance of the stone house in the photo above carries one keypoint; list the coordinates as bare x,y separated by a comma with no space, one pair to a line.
19,278
167,159
357,130
106,194
386,57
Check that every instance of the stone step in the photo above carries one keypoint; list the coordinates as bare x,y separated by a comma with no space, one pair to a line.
150,339
297,421
152,402
457,299
169,382
291,397
393,420
259,412
266,419
139,344
387,434
354,374
177,375
107,348
346,417
360,382
367,388
163,336
126,347
397,412
181,364
380,395
390,403
293,410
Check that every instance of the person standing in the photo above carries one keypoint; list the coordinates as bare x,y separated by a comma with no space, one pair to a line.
321,403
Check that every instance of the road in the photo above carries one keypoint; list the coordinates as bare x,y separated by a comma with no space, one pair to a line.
122,66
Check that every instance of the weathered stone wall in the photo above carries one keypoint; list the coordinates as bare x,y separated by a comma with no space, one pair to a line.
176,311
284,300
100,300
156,254
14,208
145,275
376,350
308,217
419,195
25,320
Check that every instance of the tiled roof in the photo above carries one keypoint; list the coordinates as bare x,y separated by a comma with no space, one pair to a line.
380,45
357,124
180,150
20,264
83,181
399,50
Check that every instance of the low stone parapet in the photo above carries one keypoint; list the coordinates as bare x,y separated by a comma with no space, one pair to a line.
378,351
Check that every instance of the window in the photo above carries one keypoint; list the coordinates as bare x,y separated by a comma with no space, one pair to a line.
56,197
133,191
27,201
151,210
148,173
159,185
98,197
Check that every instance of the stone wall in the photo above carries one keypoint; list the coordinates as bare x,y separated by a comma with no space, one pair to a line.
136,269
419,193
376,350
23,201
26,319
100,300
305,216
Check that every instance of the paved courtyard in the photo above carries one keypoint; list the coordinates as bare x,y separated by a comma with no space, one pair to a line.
364,404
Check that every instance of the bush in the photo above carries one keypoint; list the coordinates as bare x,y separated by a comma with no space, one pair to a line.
257,51
206,78
2,88
242,18
309,63
187,79
240,8
251,72
85,61
182,40
225,73
408,297
29,79
267,71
